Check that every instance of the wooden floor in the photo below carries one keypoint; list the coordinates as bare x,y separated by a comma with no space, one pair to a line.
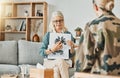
87,75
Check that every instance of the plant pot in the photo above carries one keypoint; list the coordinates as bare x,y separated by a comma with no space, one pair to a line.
36,38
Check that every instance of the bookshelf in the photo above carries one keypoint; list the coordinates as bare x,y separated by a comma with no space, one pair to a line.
20,18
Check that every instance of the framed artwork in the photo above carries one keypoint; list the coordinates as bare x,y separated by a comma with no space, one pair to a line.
62,53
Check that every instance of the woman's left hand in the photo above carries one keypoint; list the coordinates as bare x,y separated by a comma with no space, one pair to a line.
70,43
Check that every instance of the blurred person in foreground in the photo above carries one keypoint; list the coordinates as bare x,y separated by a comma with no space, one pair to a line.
99,48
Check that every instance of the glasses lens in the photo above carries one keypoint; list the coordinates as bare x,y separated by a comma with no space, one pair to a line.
55,21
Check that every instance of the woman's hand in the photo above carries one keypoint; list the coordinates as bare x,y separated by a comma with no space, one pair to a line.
72,45
57,46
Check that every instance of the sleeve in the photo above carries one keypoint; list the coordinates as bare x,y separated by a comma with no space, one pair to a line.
44,45
72,38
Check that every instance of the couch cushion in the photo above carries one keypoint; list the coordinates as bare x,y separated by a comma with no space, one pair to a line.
9,69
29,52
8,52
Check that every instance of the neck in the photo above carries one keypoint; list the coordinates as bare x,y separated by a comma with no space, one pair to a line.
59,31
101,12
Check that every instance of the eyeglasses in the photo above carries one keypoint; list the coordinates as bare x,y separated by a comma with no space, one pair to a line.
61,20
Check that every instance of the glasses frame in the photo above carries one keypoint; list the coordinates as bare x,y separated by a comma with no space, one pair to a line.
60,21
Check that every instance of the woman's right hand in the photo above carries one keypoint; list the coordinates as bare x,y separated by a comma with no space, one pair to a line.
57,46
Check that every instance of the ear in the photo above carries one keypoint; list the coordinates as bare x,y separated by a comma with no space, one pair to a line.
95,7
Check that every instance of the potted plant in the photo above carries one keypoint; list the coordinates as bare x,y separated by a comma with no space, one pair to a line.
35,28
78,31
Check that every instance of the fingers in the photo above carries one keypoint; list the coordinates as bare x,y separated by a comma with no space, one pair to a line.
57,46
58,43
60,46
70,43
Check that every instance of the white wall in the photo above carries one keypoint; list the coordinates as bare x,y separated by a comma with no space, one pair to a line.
116,10
77,12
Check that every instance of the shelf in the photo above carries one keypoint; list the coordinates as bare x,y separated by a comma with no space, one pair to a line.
14,17
14,13
4,3
22,3
22,17
36,17
19,32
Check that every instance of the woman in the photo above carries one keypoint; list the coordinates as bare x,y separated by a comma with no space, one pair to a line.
60,66
101,42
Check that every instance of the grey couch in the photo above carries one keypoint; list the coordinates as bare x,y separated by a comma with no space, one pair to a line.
13,54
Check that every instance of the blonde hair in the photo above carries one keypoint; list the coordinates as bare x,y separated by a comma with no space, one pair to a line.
105,4
51,26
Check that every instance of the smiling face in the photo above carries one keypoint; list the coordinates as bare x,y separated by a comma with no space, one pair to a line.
58,23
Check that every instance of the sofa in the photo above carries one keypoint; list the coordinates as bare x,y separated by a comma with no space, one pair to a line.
21,52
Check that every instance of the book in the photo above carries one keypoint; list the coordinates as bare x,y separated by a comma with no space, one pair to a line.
24,27
21,26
